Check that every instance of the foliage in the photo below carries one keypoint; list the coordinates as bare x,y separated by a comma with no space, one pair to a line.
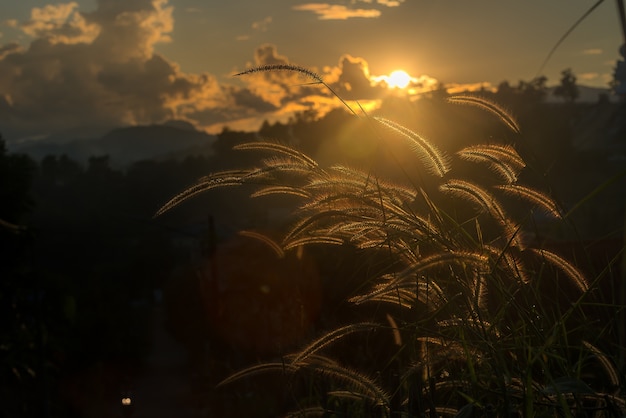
22,309
567,89
79,241
476,317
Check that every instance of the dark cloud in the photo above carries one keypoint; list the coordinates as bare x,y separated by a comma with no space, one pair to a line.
352,80
246,99
9,48
280,88
86,72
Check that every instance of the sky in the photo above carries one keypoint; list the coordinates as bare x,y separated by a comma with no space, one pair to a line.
83,67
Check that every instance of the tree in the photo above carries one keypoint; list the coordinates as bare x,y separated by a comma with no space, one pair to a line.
568,89
533,90
21,310
16,173
505,93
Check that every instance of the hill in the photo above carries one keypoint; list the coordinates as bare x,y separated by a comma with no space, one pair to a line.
126,145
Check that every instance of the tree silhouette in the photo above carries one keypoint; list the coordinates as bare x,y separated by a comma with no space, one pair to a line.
534,90
568,90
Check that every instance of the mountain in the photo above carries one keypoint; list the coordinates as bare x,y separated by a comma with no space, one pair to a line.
586,94
174,139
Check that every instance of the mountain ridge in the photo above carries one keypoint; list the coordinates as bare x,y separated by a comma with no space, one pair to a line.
126,145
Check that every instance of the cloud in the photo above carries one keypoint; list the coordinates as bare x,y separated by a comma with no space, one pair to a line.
589,76
86,72
292,91
390,3
131,29
417,85
327,11
455,88
262,25
10,48
278,87
351,79
94,71
593,51
60,23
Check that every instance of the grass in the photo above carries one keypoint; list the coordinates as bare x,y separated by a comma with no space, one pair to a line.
475,318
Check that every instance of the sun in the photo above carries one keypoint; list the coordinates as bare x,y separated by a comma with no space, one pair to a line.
398,79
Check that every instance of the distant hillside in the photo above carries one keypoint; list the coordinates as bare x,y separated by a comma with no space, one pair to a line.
586,94
127,145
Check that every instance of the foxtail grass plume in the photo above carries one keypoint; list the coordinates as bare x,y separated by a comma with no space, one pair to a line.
489,106
222,179
332,336
502,159
265,240
542,200
435,160
577,277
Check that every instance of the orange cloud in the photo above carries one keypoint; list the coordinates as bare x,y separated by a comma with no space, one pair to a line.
588,76
60,23
390,3
454,88
327,11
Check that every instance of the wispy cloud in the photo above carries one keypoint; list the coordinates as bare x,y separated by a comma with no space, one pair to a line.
262,25
589,76
593,51
258,26
390,3
327,11
455,88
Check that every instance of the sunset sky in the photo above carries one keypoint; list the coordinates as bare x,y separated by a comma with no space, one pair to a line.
83,67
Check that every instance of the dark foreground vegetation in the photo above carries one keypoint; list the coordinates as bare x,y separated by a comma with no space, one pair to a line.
88,276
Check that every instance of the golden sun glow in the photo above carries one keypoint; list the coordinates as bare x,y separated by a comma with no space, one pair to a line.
398,79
